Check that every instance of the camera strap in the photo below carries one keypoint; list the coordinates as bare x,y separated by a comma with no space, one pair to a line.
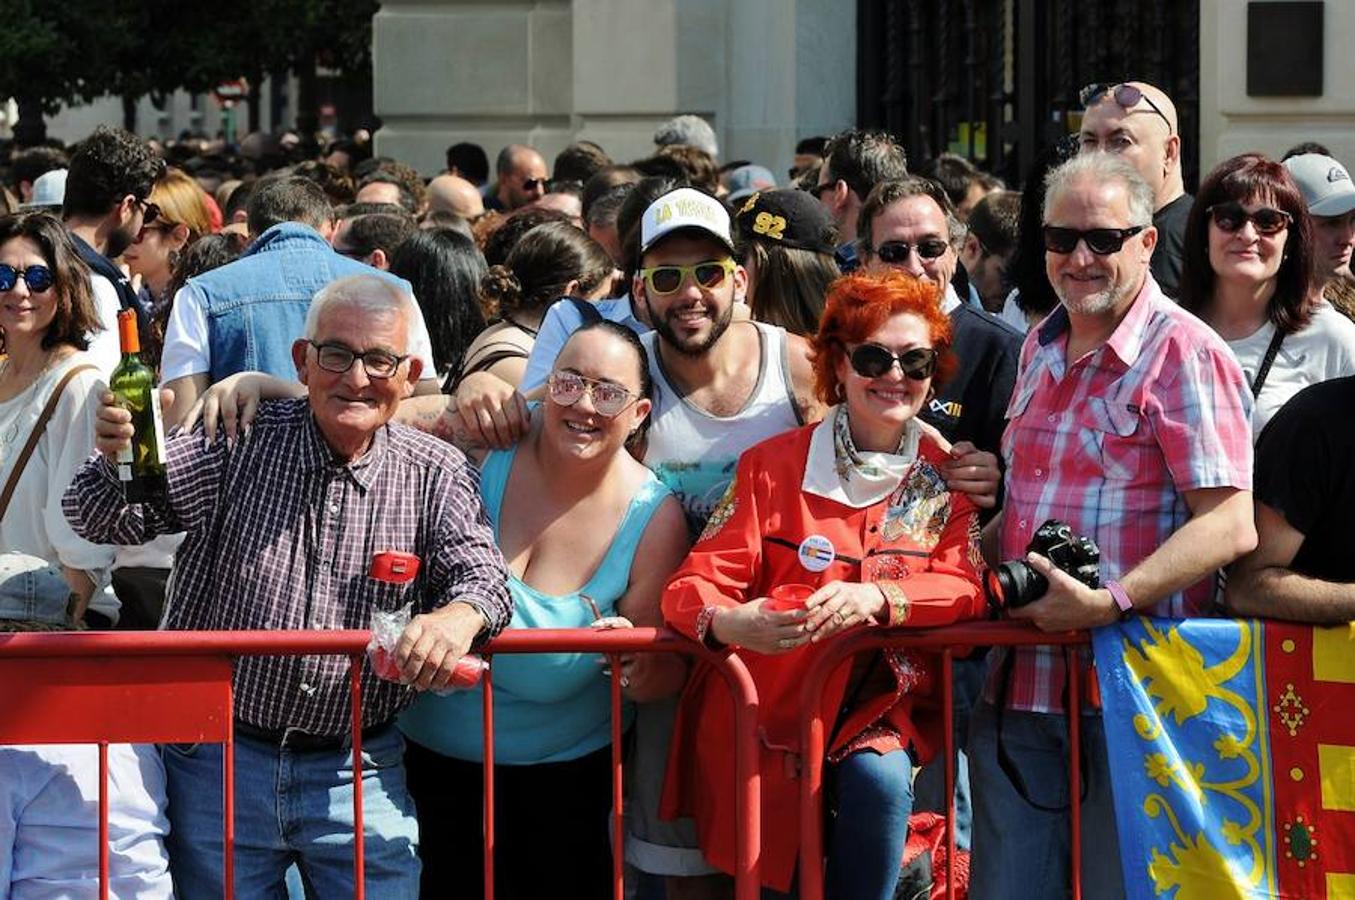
1004,760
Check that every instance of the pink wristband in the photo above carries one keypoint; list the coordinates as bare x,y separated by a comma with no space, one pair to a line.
1121,598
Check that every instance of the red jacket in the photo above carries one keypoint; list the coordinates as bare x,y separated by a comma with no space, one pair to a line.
922,539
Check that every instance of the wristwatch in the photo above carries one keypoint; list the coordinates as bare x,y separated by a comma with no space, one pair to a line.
1117,593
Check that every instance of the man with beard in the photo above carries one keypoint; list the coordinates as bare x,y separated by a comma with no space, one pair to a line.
105,208
1130,421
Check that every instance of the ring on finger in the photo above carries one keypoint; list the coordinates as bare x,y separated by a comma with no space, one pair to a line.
839,617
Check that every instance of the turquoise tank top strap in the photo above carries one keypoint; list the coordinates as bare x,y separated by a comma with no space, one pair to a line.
493,479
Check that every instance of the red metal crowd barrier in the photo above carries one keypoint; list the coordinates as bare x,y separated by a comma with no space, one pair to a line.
175,687
942,641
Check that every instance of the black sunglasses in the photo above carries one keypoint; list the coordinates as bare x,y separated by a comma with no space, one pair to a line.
873,361
149,212
531,184
818,189
896,252
38,278
1232,216
1101,241
1125,95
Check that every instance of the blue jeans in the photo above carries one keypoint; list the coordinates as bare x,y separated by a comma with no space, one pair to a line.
865,846
291,808
1022,851
930,786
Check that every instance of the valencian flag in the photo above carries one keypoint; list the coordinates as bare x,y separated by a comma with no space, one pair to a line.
1232,748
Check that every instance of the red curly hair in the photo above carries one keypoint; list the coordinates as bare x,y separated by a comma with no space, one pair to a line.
857,305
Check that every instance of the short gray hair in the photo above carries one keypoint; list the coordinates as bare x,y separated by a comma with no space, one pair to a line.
1100,168
367,293
693,131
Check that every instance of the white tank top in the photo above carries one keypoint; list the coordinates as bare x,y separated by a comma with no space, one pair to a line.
694,452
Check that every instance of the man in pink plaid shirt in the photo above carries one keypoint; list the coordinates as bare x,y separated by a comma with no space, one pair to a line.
1130,422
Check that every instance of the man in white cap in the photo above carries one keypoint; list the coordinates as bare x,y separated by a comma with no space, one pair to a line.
48,193
1330,195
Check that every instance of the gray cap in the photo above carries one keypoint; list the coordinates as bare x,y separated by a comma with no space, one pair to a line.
1324,183
32,590
49,190
745,181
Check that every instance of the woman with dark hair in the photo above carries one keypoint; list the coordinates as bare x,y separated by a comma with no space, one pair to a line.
445,269
49,391
788,240
1032,297
854,513
1248,273
589,534
551,261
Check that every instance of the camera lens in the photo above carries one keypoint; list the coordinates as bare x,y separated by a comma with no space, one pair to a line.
1015,584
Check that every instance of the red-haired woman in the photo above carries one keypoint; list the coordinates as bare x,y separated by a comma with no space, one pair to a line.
856,508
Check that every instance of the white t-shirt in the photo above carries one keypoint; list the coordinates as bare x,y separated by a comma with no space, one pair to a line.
105,351
187,351
34,522
1322,351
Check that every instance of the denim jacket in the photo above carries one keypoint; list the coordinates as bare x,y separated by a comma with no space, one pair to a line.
256,306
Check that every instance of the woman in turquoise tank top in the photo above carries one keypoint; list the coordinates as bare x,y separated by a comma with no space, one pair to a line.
589,534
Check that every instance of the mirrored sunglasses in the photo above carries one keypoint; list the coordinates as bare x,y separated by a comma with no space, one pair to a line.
1101,241
873,361
707,275
38,278
568,388
896,252
1232,216
1126,96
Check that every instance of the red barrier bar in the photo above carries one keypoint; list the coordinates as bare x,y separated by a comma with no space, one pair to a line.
355,685
488,707
228,796
813,749
1072,661
103,820
618,786
948,716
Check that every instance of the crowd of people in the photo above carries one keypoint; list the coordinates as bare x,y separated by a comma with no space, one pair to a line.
678,391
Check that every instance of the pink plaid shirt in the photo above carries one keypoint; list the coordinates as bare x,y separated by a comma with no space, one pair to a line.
1109,444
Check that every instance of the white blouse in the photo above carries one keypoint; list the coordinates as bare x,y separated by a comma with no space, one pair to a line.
34,523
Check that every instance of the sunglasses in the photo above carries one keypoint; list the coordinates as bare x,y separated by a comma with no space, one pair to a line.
149,212
708,275
873,361
1231,217
896,253
1125,95
531,184
568,388
1101,241
147,229
818,189
37,278
339,359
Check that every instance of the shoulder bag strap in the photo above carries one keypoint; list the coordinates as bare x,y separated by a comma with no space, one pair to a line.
1266,363
38,428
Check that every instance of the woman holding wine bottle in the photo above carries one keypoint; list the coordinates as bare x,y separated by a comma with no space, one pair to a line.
49,392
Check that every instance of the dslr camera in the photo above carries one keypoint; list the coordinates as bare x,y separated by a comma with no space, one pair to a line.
1014,584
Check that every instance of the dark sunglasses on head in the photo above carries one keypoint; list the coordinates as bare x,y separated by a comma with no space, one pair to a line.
1101,241
568,388
667,279
339,359
896,252
1232,216
1125,95
38,278
873,361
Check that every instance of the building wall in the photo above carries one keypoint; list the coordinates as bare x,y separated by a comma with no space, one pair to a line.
1233,123
545,73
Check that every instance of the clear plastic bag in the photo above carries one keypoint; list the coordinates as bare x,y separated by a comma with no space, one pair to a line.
387,626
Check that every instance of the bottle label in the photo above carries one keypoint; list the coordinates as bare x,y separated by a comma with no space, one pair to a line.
124,469
158,418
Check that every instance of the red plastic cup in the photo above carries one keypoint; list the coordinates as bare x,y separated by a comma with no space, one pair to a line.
786,597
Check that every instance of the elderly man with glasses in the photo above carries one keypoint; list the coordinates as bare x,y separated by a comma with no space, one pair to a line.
1137,122
294,527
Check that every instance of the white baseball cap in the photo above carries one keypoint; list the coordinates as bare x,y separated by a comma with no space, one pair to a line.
684,208
1324,183
49,189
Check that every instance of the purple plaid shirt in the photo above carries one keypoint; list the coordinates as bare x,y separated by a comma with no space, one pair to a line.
281,536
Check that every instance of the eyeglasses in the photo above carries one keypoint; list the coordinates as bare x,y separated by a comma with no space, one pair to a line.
873,361
568,388
149,212
1232,216
708,275
818,189
531,184
896,253
1126,95
163,226
38,278
1101,241
339,359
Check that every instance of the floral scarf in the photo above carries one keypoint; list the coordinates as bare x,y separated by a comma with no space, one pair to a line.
836,469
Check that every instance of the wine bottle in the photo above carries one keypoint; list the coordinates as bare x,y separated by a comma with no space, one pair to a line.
141,466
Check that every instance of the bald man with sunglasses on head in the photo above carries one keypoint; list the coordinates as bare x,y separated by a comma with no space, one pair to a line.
1137,122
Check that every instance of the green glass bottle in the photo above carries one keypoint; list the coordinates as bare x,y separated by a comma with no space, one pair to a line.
141,467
